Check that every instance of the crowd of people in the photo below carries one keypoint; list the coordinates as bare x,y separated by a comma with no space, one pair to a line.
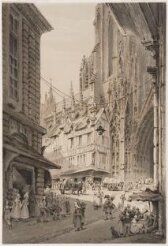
131,220
139,184
22,207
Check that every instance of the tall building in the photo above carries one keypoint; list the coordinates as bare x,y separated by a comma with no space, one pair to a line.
130,77
72,140
23,161
124,76
119,76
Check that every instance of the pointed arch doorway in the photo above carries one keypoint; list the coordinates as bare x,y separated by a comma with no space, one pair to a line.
145,147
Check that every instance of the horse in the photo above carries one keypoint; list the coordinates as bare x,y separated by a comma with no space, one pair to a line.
73,186
77,187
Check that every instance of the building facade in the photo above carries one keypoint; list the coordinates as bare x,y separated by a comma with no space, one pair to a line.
23,162
120,77
125,77
72,140
130,78
123,86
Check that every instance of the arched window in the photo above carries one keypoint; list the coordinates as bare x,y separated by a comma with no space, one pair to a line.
110,48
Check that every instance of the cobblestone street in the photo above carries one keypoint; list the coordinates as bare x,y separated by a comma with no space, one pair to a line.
83,119
62,231
40,232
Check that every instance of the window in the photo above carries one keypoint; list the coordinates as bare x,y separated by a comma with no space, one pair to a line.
104,159
110,48
84,159
80,140
71,142
89,138
13,59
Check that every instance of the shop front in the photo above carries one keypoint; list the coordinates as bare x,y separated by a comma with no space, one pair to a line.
25,169
91,174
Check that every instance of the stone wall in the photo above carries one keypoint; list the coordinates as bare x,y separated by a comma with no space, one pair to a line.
29,86
126,85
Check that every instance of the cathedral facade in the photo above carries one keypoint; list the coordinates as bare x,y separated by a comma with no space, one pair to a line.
120,79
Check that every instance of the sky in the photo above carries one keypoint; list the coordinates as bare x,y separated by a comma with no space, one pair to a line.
63,48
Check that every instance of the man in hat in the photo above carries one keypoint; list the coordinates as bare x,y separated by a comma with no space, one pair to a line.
106,207
77,216
111,207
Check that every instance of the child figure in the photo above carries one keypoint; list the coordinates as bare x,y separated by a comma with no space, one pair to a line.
7,215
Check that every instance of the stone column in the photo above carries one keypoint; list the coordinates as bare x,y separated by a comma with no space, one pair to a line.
40,183
122,148
155,136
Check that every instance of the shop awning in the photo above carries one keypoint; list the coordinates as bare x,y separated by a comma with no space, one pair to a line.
27,154
146,196
86,171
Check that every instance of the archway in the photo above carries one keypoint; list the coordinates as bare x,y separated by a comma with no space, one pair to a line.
144,165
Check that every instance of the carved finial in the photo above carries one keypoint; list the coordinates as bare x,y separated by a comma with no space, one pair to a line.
64,104
72,95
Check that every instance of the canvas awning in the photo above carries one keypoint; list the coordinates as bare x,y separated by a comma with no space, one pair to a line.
145,196
86,171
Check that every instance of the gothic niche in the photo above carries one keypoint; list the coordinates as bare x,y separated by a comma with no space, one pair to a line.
115,129
128,130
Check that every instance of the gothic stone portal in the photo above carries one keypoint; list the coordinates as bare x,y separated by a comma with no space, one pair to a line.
143,164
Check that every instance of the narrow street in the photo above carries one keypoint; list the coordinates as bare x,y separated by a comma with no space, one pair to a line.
83,120
97,230
41,232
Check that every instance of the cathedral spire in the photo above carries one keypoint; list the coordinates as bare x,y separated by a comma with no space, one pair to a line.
55,113
64,105
72,96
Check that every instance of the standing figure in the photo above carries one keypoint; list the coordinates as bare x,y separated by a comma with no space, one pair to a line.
122,197
67,206
101,195
77,217
16,208
32,203
95,201
111,207
58,208
7,215
43,210
83,209
127,214
24,210
106,207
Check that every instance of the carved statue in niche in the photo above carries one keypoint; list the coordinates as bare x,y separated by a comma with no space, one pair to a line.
128,125
120,52
115,122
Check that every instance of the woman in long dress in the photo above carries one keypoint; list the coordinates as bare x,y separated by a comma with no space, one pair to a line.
16,208
24,209
77,217
32,203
